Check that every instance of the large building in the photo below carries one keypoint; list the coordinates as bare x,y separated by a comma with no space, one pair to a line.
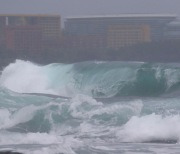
172,31
49,25
24,38
84,41
126,35
119,30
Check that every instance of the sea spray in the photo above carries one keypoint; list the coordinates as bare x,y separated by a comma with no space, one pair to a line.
151,128
24,77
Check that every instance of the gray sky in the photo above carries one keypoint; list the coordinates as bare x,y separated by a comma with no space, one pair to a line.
89,7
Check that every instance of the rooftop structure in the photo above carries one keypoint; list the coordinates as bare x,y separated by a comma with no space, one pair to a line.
125,16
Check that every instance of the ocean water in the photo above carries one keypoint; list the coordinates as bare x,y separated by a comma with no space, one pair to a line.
90,108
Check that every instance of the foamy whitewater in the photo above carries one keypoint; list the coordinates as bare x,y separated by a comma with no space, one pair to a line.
90,108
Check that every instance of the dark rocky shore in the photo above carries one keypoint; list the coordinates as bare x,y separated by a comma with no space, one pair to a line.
165,52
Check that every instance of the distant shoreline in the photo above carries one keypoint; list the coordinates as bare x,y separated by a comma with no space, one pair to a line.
161,52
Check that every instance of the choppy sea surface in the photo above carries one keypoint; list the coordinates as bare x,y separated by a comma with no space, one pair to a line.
90,108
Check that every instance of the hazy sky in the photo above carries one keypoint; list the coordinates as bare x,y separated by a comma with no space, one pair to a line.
90,7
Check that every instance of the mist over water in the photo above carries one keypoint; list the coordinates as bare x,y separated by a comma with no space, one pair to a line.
109,107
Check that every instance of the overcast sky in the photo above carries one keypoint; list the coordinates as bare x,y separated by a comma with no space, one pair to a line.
89,7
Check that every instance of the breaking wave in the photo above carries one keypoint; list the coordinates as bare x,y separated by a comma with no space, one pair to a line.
93,111
97,79
30,119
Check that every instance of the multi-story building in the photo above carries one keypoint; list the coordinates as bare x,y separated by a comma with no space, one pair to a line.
24,38
120,30
125,35
84,41
49,24
172,31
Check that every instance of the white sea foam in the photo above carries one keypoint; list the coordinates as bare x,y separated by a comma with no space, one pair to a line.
46,143
172,77
25,77
62,125
150,128
81,105
9,119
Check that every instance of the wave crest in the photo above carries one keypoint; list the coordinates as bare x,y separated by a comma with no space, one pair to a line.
103,79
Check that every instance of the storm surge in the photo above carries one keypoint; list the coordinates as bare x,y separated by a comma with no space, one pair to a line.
107,105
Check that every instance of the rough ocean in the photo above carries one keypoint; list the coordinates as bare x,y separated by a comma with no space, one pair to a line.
90,108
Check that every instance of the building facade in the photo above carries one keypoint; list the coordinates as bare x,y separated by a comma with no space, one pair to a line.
120,30
49,25
24,38
126,35
84,41
172,31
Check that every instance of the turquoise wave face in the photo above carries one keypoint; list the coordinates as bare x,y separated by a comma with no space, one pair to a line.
97,79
